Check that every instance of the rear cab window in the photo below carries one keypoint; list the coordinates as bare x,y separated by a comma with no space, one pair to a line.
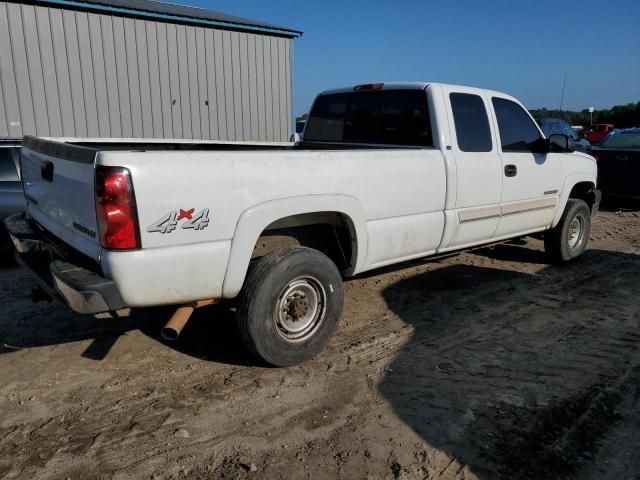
471,122
382,117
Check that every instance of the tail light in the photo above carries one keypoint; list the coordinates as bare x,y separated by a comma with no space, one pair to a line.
116,209
596,157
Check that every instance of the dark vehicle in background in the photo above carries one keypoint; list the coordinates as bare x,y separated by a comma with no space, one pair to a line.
300,124
618,158
552,126
11,194
596,133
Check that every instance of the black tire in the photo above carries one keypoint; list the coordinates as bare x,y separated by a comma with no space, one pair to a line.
560,242
279,291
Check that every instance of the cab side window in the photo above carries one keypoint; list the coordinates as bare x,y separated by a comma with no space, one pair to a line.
518,132
471,122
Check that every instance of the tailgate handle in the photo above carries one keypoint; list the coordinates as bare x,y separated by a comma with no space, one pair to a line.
46,171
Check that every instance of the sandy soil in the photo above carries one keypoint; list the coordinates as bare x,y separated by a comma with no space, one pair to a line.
489,364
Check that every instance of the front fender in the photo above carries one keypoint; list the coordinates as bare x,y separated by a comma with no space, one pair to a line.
570,182
254,220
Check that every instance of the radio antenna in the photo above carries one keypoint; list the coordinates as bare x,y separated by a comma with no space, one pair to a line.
564,85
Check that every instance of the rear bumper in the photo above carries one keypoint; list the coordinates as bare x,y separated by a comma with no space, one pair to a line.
82,289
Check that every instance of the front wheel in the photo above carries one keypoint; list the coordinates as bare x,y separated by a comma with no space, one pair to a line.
569,238
290,305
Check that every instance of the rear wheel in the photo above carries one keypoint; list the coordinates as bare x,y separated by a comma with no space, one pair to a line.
290,306
569,238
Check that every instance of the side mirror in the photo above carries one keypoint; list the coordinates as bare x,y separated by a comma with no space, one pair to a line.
561,143
541,145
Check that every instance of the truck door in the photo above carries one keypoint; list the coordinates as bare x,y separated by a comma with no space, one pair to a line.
531,182
478,183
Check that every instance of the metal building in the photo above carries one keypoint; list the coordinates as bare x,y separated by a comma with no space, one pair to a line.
141,69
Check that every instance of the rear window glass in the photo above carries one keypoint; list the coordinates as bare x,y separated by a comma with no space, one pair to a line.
387,117
8,172
363,118
471,121
326,121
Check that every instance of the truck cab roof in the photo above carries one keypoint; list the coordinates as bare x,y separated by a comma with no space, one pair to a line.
412,86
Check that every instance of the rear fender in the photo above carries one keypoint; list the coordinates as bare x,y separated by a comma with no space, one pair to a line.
256,219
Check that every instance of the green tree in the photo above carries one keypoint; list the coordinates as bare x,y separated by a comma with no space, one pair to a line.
621,116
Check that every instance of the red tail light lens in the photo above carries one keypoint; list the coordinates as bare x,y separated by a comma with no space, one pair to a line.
116,209
596,157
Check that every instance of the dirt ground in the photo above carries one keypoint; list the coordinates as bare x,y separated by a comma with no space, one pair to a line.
489,364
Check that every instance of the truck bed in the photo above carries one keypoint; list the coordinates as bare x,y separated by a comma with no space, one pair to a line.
160,143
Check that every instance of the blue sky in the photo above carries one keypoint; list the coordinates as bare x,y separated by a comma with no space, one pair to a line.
522,47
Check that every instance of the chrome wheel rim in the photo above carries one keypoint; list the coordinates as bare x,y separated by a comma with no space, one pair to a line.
575,232
300,309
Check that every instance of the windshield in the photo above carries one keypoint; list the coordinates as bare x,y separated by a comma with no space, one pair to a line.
623,140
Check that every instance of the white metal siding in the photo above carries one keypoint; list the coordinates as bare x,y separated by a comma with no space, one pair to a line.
77,74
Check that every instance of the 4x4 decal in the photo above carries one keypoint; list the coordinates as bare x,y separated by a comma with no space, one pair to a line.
169,222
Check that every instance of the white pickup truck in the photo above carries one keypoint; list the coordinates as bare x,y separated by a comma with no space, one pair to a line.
385,173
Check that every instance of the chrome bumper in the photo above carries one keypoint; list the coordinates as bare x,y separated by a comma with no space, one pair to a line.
82,289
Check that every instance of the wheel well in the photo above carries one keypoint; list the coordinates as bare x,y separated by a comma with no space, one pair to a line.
584,191
332,233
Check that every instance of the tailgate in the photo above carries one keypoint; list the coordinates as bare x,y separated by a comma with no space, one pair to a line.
58,180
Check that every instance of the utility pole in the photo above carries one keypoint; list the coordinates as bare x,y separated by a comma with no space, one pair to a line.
591,109
564,84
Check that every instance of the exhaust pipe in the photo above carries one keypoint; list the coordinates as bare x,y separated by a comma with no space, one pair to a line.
171,331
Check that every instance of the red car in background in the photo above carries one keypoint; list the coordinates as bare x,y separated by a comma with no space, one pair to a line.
596,133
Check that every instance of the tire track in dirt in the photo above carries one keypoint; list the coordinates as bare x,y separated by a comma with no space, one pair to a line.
384,336
521,356
441,368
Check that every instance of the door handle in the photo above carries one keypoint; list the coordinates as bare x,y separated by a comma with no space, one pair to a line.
510,170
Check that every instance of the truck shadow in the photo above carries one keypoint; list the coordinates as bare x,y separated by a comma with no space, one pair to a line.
7,259
517,375
209,335
512,252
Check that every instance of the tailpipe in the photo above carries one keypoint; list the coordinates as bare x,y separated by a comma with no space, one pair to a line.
171,331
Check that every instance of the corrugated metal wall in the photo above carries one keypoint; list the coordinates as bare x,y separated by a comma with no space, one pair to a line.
77,74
